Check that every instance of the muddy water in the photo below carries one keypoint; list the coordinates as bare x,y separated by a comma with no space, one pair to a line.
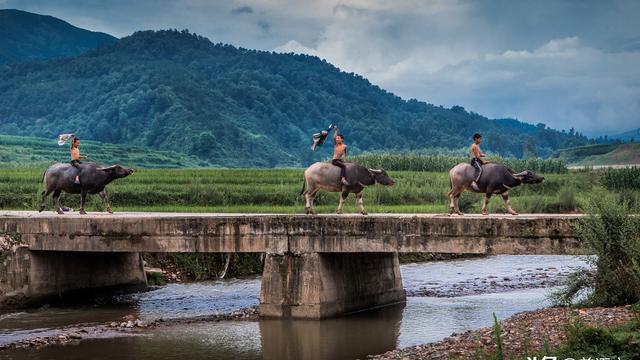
443,298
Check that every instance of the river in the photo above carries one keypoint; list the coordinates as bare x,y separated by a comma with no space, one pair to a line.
443,297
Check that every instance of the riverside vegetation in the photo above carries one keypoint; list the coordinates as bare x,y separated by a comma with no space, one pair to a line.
614,281
613,236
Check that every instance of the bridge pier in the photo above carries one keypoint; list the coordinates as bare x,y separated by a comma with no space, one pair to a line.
32,278
322,285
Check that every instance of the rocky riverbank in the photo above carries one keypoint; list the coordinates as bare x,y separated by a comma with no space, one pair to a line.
128,326
542,277
528,331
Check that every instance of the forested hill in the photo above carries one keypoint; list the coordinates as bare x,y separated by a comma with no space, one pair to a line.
177,91
26,36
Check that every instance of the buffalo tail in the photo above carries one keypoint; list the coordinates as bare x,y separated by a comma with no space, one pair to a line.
304,186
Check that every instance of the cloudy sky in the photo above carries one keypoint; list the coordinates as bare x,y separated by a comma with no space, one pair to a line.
563,63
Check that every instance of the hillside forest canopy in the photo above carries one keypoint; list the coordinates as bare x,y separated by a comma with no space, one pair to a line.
176,91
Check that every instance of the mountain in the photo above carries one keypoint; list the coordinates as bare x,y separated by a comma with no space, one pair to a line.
173,90
627,136
26,36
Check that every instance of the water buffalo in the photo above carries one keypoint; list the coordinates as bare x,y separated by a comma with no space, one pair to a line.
495,179
326,176
93,179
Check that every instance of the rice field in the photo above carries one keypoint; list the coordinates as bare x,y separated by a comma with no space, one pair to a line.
276,191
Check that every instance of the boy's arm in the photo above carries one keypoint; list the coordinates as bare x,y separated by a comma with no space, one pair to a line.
335,132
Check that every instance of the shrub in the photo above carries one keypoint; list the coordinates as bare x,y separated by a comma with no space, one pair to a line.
613,236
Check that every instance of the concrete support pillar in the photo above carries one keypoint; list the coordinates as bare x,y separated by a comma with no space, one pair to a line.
30,278
321,285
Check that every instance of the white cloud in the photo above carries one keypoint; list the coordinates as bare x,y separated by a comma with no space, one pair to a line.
563,82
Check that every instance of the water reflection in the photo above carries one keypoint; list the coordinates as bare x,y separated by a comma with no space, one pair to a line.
348,337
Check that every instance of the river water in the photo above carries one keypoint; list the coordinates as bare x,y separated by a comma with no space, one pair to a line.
443,297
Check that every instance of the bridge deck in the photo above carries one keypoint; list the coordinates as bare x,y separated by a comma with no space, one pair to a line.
278,233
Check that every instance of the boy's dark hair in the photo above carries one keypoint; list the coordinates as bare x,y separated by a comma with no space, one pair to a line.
340,136
476,136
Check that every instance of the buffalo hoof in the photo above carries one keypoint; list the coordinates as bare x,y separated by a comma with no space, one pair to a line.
109,210
364,213
485,213
459,213
60,212
514,213
41,209
82,212
339,212
309,211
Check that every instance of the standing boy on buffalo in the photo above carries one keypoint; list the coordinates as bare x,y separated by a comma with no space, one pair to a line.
476,160
340,155
75,157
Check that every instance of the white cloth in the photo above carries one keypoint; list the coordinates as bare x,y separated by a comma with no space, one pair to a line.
63,138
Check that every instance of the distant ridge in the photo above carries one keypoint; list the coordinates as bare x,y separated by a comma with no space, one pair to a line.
627,136
26,36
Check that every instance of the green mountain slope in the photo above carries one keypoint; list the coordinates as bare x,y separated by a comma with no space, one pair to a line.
601,154
21,151
26,36
177,91
631,135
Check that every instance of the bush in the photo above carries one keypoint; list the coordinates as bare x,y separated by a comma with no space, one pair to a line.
613,236
585,341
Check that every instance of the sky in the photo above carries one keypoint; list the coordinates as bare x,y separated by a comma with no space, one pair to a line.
563,63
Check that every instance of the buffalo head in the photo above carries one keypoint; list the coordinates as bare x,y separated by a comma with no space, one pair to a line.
118,171
381,177
528,177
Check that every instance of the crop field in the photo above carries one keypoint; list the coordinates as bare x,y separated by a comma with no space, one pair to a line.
276,191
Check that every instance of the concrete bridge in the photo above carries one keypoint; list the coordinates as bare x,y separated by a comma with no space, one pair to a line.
315,266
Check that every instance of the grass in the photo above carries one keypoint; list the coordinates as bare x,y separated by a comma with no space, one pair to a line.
582,342
276,191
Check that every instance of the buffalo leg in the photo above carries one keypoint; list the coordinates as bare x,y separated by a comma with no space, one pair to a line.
457,205
343,198
454,198
83,200
56,201
452,203
485,204
507,204
310,197
43,199
360,202
105,200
